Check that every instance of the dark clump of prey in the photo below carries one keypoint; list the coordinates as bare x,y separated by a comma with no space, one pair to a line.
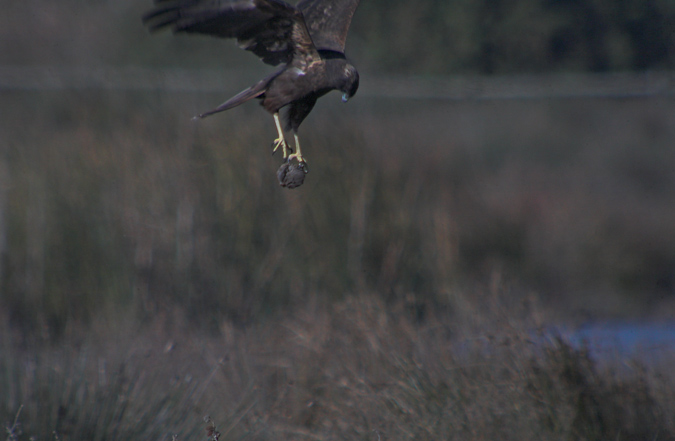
308,39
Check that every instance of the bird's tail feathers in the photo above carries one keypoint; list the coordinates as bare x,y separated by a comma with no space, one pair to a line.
240,98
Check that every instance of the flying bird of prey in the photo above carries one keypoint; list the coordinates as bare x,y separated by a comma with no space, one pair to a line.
308,40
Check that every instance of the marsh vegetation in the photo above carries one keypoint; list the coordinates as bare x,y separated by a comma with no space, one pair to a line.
152,271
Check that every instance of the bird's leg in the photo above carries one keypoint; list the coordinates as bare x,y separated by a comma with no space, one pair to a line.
280,141
298,154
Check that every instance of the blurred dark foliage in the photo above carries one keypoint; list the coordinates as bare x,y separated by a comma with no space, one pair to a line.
504,36
420,37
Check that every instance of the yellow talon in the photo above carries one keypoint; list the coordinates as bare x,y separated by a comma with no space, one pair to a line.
284,147
280,141
298,154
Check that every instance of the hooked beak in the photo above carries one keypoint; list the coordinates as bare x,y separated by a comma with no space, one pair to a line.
345,98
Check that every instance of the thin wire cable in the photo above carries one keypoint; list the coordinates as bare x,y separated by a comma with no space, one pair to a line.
453,88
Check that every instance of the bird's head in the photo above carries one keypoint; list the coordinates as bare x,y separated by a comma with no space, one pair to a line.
350,77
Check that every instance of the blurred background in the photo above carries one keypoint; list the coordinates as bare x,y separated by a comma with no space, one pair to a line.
501,157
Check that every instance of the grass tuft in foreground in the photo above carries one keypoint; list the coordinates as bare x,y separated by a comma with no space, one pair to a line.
356,369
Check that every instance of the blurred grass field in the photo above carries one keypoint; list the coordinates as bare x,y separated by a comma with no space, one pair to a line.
153,271
111,199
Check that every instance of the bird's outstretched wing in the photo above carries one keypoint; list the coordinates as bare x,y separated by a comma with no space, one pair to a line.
272,29
328,21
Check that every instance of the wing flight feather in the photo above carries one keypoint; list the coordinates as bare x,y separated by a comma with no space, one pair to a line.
272,29
328,21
